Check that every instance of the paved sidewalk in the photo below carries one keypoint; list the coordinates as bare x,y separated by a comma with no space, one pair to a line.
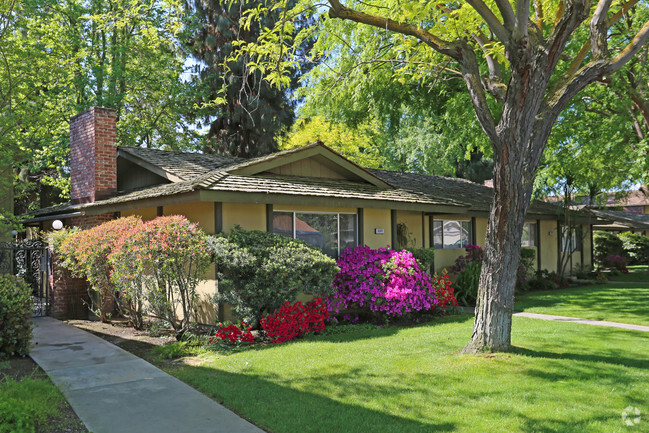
113,391
584,321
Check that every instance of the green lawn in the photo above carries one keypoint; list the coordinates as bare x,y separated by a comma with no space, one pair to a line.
562,377
625,302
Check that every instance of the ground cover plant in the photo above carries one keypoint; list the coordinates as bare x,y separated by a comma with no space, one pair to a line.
560,377
30,402
624,302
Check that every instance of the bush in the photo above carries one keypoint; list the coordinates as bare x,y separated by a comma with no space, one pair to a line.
260,271
383,280
546,280
85,253
636,247
424,256
525,268
294,320
167,257
615,262
466,283
474,253
15,311
606,244
233,334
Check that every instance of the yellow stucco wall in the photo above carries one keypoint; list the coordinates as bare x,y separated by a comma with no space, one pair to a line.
549,252
249,216
198,212
373,219
481,231
146,214
412,220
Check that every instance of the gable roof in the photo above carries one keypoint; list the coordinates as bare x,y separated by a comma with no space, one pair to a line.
220,178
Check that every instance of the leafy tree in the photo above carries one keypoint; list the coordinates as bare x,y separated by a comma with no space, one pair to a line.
511,56
61,57
357,145
249,113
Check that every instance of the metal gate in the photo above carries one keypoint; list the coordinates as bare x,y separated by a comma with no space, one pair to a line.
29,260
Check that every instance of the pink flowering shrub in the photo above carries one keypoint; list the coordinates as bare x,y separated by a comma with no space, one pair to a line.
384,281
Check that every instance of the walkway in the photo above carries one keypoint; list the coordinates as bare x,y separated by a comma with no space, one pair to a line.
113,391
583,321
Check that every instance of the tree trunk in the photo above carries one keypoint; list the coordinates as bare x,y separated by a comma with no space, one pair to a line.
495,302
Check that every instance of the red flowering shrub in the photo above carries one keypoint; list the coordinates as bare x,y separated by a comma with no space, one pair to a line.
297,319
444,291
233,334
85,253
616,262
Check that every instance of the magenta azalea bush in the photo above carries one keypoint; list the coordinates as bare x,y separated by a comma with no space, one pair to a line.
385,281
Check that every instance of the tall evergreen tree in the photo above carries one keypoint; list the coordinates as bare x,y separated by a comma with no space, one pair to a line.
249,113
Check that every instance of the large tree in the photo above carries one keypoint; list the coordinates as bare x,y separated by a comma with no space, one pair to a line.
58,58
512,58
244,113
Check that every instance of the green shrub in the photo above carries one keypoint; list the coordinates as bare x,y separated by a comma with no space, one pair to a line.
525,269
15,311
466,283
259,271
546,280
636,247
424,256
606,244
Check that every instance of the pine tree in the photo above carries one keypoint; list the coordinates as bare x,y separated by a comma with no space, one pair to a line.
254,112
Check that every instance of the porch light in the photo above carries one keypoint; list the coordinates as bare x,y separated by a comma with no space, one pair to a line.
57,224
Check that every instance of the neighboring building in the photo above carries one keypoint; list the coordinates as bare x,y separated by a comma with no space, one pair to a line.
311,193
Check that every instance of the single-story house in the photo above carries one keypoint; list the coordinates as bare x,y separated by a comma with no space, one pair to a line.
311,193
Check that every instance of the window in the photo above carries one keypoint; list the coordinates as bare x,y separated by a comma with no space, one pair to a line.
529,235
451,234
331,232
571,241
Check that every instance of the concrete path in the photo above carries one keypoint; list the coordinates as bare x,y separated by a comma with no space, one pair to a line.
113,391
584,321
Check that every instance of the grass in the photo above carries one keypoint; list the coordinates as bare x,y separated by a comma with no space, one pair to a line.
27,403
625,302
638,275
562,377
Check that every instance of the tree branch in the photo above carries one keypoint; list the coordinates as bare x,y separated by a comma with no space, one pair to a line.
337,10
538,9
492,21
631,49
522,19
494,83
599,30
507,13
585,49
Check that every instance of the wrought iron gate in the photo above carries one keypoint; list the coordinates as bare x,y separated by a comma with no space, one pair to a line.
29,260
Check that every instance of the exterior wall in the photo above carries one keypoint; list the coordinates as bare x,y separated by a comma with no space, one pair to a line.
248,215
549,247
481,231
93,166
197,212
308,167
147,214
373,219
412,221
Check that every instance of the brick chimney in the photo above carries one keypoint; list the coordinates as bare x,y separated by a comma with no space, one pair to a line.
93,154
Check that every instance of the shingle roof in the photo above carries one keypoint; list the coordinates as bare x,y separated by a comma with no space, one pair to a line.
213,173
185,165
621,219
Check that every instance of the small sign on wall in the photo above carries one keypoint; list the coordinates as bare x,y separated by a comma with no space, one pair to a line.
379,231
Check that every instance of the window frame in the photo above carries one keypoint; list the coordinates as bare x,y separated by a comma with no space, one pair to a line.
469,239
531,243
294,212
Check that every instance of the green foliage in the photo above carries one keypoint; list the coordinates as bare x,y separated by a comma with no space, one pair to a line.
62,57
15,311
547,280
27,404
259,271
424,256
356,144
636,247
245,113
163,261
466,283
606,244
